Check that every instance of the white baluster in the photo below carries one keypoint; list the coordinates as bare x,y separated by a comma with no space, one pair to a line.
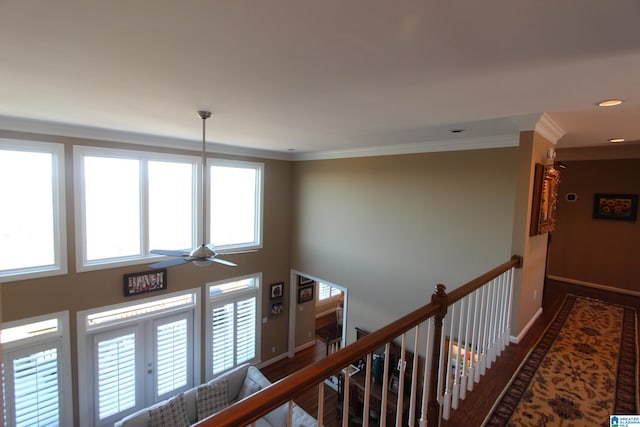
446,410
414,378
456,370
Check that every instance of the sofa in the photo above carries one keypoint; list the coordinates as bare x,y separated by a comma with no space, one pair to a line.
198,403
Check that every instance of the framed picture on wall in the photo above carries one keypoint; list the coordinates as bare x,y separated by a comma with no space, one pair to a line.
305,294
303,281
147,281
545,199
277,290
619,207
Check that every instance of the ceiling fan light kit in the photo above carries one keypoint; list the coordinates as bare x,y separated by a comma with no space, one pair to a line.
205,254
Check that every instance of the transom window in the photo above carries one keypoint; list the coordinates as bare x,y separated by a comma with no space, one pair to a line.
235,204
32,218
131,202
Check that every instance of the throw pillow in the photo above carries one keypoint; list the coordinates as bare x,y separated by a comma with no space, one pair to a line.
171,414
249,387
211,398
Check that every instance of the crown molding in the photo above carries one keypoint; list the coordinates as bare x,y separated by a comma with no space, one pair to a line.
17,124
549,129
497,141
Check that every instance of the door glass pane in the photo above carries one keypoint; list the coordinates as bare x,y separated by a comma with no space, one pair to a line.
116,374
112,207
172,356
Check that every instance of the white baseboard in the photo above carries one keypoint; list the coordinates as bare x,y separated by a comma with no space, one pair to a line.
305,346
516,340
278,358
607,288
326,313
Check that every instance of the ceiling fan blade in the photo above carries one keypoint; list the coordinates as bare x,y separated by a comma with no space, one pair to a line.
169,252
169,263
224,261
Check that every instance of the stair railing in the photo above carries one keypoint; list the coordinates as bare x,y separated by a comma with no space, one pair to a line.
483,306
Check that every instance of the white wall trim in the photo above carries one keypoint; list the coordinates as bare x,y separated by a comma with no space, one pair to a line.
516,340
608,288
17,124
549,129
305,346
495,141
273,360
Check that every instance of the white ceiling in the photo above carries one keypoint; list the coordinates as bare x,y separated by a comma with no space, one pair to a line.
320,76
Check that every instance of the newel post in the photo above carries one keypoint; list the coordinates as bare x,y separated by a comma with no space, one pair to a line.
440,298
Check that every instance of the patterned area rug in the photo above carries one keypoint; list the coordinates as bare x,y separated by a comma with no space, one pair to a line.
583,369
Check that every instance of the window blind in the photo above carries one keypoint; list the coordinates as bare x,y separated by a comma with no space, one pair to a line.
171,356
116,374
36,388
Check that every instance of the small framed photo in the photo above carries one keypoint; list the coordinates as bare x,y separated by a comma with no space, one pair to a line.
303,281
619,207
305,294
147,281
277,290
277,308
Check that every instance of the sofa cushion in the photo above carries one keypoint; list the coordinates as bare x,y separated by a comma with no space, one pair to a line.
173,413
235,378
249,387
211,398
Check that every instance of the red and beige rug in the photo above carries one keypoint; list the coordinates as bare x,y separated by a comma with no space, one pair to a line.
583,369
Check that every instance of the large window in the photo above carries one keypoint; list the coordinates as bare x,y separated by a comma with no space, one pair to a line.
132,355
233,327
32,217
235,204
129,203
37,371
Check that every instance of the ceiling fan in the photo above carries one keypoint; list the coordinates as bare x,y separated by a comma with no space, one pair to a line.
205,254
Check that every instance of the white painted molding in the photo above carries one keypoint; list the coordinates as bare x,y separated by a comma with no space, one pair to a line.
16,124
549,129
497,141
516,340
283,356
607,288
305,346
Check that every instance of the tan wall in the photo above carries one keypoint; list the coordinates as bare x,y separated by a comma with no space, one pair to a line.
390,228
81,291
529,280
596,251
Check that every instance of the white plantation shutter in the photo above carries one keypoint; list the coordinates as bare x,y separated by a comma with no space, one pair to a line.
172,356
223,337
116,373
36,388
245,330
326,291
233,330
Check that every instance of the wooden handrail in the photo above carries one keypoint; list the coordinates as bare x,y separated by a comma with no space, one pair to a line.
284,390
464,290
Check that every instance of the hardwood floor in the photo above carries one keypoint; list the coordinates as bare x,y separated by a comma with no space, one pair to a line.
478,403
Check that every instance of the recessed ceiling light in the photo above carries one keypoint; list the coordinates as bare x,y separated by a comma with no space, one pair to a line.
616,140
457,130
610,102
